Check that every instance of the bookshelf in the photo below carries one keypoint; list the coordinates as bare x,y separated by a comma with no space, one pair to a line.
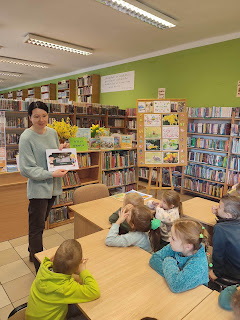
88,88
209,152
22,94
131,124
88,173
48,91
119,169
88,114
66,91
116,120
34,93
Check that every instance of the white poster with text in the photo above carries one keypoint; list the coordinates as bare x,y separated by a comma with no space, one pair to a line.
118,82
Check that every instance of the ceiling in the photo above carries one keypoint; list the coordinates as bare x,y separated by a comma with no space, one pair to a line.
114,36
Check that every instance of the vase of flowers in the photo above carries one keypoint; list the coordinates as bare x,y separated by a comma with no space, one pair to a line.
96,132
64,129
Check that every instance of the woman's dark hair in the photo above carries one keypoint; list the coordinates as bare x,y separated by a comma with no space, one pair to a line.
37,105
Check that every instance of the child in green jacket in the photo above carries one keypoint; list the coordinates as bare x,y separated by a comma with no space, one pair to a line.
54,287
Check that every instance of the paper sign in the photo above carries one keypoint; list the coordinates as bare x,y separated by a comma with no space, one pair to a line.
79,143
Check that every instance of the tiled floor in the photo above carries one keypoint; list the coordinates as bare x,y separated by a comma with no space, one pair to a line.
17,273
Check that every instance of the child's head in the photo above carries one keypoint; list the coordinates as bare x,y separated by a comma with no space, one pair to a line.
170,199
187,235
229,207
140,219
67,257
235,303
133,198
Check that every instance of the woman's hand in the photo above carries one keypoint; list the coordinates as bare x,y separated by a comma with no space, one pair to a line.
64,145
59,173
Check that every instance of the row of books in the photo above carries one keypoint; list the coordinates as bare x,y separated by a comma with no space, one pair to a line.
209,128
58,214
71,179
84,91
212,144
45,96
65,197
111,160
12,138
17,122
235,129
11,154
84,81
45,88
208,158
132,124
63,94
210,112
13,105
131,112
91,109
117,178
233,177
85,98
205,187
236,146
175,178
63,85
84,160
234,163
116,122
203,172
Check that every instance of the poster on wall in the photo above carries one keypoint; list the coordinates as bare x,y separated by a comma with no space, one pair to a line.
3,162
238,89
162,132
118,82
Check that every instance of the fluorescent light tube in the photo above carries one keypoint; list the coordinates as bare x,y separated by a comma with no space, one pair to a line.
55,44
24,62
10,74
142,12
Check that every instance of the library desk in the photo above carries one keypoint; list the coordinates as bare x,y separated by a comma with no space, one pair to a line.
209,309
130,288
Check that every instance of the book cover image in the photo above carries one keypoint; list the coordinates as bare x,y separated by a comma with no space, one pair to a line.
107,142
94,143
117,142
62,159
126,141
84,132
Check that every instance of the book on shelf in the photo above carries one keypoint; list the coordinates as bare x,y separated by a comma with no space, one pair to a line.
58,214
84,160
65,197
209,128
117,178
213,144
210,112
205,187
233,177
71,179
131,112
201,171
208,158
234,163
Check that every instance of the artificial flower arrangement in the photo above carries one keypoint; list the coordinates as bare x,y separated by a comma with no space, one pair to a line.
96,131
64,129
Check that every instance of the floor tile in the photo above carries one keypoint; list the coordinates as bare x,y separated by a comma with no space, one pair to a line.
13,270
65,227
68,234
4,300
19,288
49,232
30,265
19,241
19,302
4,312
8,256
22,250
53,241
5,245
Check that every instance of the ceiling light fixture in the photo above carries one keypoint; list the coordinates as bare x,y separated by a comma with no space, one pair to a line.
55,44
24,62
142,12
10,74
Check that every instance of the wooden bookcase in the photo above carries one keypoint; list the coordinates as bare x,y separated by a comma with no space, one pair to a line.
5,95
88,88
22,94
34,93
48,91
66,91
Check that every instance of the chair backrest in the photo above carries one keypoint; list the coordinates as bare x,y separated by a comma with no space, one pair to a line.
90,192
18,313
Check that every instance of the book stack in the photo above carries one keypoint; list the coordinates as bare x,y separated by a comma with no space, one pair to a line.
131,112
118,178
203,172
71,179
111,160
208,188
84,160
213,144
211,159
210,112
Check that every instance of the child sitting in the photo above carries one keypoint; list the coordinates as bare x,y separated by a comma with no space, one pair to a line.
141,221
168,210
226,239
54,287
130,198
183,263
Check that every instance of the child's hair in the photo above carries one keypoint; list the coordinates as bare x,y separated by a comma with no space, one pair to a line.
190,231
231,205
149,318
67,257
141,218
133,198
235,303
172,198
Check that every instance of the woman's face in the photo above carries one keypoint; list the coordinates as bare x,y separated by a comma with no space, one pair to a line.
39,118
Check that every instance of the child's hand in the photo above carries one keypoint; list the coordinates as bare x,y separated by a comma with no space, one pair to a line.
212,275
124,213
215,210
82,266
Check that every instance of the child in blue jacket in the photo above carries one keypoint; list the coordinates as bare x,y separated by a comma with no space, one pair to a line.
183,263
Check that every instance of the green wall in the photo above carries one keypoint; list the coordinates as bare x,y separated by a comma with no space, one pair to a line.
205,76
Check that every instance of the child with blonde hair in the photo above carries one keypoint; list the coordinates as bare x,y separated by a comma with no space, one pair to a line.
145,232
168,210
183,263
130,198
54,287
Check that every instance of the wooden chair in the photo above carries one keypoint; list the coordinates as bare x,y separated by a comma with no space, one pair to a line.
90,192
18,313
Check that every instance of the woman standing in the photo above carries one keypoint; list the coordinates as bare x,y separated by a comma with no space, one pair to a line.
43,186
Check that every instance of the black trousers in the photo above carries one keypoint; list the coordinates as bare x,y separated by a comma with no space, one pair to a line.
38,211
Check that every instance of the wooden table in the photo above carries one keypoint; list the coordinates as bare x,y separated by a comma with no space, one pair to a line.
130,288
209,309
